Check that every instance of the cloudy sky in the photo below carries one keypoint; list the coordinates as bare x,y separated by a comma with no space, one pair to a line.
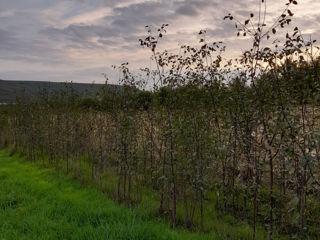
77,40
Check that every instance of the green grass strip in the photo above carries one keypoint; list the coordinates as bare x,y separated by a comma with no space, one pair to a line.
43,204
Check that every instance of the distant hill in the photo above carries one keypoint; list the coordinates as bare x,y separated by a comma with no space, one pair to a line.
11,89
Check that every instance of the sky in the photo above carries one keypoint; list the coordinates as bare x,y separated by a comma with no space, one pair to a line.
78,40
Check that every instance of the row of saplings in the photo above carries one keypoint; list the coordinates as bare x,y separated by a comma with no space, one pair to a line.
195,147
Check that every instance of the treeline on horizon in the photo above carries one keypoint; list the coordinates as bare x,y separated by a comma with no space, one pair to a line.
11,90
238,137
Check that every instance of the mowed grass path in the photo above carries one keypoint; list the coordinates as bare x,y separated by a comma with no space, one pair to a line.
40,203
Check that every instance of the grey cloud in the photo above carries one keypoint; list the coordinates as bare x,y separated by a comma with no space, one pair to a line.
107,42
243,13
73,32
80,36
224,30
193,7
7,40
30,31
14,48
126,24
307,21
141,14
187,10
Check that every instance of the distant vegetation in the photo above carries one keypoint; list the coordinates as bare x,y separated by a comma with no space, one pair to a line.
215,137
12,90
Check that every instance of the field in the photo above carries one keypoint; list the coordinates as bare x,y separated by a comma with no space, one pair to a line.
43,204
38,203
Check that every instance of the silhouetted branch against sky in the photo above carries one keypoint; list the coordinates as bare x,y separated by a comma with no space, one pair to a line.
76,40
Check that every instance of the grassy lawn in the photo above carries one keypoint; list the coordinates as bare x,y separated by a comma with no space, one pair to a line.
37,203
42,204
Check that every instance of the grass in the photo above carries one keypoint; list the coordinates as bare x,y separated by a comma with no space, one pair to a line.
41,203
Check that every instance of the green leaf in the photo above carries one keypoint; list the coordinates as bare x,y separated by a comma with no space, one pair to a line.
294,201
